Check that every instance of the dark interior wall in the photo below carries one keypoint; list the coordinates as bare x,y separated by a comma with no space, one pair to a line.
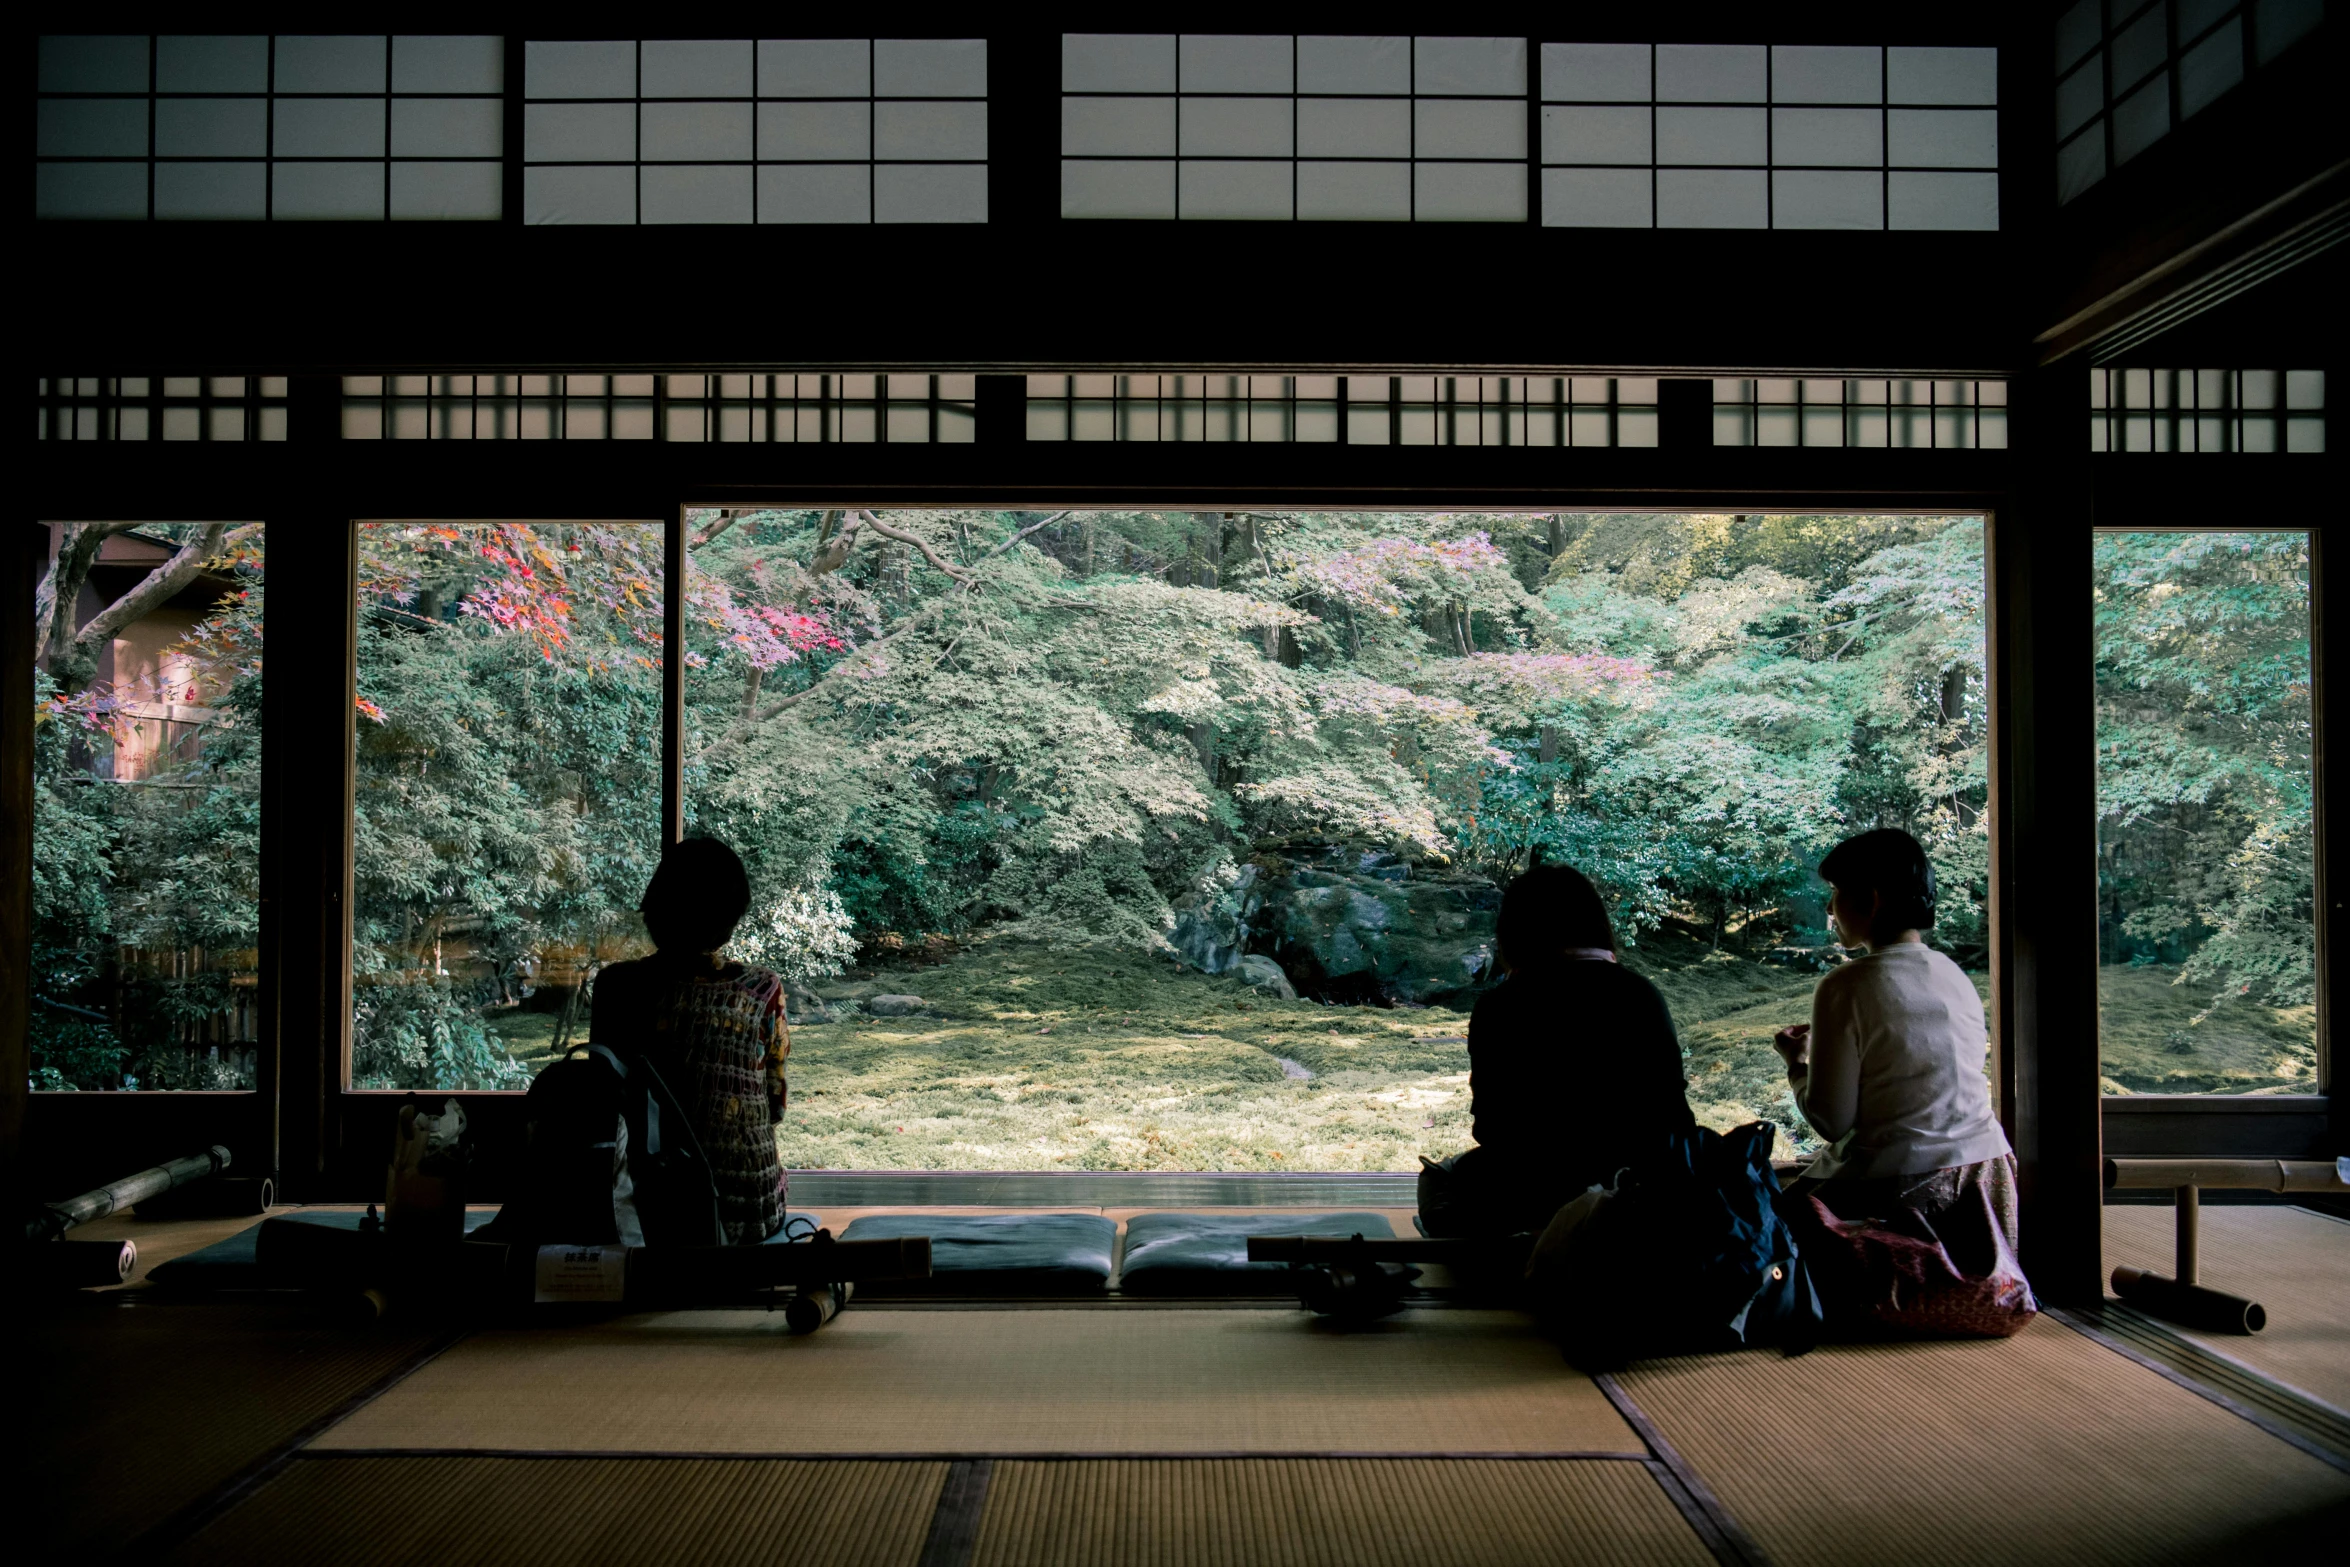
1028,288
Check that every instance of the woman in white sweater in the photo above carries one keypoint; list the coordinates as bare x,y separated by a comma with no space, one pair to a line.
1890,1072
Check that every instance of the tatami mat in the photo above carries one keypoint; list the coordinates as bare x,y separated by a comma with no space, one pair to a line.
2294,1262
1002,1383
141,1410
2046,1447
473,1512
1332,1513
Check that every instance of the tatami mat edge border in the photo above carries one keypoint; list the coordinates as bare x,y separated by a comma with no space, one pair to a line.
1005,1455
184,1524
2198,1355
954,1523
1730,1544
2098,1334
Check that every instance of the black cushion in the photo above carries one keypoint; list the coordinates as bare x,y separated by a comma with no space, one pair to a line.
1003,1253
1207,1253
235,1263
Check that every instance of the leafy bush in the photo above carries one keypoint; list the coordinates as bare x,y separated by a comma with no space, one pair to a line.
802,935
426,1035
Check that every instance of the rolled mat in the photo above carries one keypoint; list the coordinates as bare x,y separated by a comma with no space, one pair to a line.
1002,1253
1207,1253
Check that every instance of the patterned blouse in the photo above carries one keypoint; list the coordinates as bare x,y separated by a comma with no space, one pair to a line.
715,1031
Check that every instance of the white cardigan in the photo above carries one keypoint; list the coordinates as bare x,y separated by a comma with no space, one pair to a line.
1896,1083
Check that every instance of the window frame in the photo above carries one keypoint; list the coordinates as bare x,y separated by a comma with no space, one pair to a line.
329,1140
2254,1125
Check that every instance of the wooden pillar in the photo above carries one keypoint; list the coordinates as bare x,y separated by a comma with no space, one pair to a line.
673,589
2044,844
25,548
308,736
2319,487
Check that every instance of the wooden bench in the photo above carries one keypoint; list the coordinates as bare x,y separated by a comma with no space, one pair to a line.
2180,1297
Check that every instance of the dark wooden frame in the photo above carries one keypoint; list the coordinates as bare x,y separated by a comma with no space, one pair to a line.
2251,184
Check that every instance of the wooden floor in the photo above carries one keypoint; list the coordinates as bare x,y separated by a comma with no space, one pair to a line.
939,1437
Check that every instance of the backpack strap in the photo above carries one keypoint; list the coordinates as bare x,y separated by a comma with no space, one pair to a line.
658,1090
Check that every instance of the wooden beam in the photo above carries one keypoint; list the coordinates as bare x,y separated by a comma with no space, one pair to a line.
26,547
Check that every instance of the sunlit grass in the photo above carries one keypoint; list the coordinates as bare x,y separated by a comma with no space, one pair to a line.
2155,1036
1049,1058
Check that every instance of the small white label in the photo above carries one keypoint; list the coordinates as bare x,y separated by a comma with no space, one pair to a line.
582,1273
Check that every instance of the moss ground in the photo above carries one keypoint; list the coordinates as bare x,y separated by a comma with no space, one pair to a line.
1050,1058
2156,1037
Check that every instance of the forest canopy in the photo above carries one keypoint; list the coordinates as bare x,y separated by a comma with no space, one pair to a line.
1078,732
1068,728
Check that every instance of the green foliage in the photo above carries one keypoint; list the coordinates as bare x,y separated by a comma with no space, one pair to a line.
426,1035
146,896
2206,826
1061,726
1072,732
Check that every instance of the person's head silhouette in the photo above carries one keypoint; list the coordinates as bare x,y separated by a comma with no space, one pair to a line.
696,897
1551,914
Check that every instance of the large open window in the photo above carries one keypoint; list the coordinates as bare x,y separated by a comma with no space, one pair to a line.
2207,859
507,808
146,806
1138,839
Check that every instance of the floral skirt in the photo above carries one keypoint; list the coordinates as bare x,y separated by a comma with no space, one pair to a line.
1931,1254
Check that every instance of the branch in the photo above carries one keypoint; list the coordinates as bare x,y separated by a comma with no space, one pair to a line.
1022,534
832,549
873,520
165,581
726,520
61,586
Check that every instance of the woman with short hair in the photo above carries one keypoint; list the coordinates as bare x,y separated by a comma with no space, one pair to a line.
1890,1073
713,1029
1574,1070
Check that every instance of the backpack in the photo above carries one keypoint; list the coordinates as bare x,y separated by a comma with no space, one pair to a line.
610,1158
1685,1254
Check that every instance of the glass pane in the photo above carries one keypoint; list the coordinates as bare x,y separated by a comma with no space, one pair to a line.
509,789
1048,815
2206,852
146,804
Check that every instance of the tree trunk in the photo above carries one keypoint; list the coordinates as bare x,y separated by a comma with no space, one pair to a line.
55,600
66,651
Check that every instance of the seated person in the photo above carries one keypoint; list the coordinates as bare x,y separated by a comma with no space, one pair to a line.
714,1030
1890,1072
1574,1070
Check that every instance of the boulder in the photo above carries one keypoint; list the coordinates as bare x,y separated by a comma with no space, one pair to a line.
1211,931
1346,924
1263,974
896,1006
802,1005
1354,926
